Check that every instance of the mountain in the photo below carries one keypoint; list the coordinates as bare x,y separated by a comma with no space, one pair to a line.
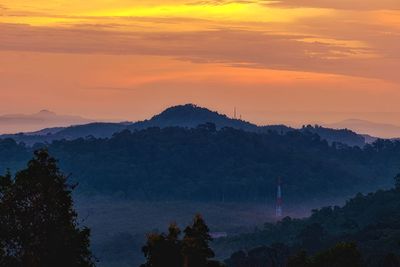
190,116
42,119
186,116
367,127
344,136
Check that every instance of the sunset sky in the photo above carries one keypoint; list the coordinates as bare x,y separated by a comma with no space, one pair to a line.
292,61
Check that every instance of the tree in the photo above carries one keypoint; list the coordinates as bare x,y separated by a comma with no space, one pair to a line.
5,187
164,250
196,249
192,251
38,223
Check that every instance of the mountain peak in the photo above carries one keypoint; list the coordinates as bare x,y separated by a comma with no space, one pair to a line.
187,110
188,113
191,116
46,112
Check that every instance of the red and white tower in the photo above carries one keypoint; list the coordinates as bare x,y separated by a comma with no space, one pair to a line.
278,211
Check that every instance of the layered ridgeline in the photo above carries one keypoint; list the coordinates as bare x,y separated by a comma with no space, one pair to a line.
370,221
11,123
206,163
188,116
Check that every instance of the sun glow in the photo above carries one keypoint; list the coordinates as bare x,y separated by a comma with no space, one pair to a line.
80,12
230,12
255,43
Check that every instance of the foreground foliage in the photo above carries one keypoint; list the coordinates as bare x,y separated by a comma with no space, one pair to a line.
38,225
192,251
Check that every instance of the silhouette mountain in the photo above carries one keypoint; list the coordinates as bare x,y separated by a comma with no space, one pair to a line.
42,119
45,112
187,116
382,130
190,116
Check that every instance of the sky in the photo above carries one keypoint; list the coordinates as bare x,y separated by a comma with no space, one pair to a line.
289,61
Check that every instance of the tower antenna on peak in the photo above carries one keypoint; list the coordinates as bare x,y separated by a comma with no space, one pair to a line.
234,113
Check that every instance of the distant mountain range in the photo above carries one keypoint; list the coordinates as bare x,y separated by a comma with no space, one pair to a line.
43,119
367,127
190,152
188,116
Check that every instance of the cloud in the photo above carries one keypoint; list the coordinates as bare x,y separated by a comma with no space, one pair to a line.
231,47
339,4
332,4
221,2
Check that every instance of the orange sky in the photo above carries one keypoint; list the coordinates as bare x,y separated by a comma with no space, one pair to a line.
291,61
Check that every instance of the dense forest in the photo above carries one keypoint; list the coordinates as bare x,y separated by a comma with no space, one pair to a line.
39,227
371,221
205,163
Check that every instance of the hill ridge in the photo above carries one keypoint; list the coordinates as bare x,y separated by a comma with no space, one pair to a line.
186,116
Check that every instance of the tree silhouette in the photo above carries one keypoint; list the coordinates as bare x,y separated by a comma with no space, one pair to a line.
193,250
164,250
38,223
196,249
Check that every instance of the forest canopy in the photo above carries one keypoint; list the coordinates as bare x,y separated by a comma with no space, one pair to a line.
205,163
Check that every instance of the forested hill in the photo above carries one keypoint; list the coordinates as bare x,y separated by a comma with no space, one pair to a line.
188,116
371,220
204,163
